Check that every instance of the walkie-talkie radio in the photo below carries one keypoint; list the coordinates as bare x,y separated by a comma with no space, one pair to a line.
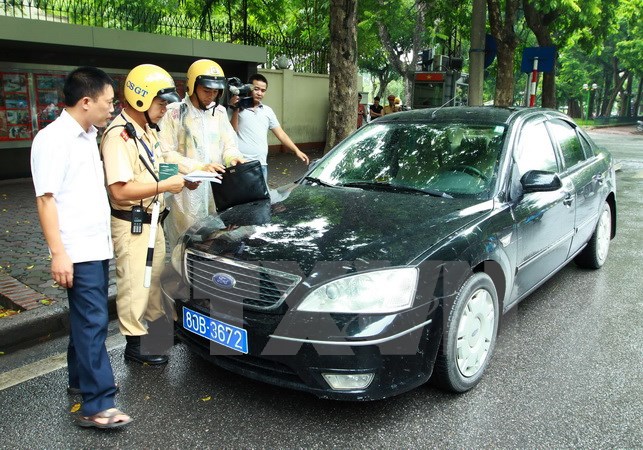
138,216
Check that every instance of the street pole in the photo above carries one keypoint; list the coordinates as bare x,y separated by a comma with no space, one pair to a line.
533,85
476,55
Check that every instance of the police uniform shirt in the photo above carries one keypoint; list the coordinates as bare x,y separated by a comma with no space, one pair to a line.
122,162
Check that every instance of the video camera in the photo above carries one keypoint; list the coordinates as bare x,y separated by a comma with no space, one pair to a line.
237,87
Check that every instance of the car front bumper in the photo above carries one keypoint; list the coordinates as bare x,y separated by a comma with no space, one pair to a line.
399,357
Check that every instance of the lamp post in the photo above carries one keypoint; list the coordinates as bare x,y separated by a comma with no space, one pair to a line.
588,91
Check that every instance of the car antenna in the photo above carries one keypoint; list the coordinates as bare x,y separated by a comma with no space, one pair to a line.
442,106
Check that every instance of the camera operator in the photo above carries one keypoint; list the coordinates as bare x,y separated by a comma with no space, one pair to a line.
196,134
252,124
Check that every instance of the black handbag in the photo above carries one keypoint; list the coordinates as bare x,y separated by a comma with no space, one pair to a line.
243,183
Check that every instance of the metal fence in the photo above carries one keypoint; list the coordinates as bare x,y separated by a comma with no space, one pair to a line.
303,56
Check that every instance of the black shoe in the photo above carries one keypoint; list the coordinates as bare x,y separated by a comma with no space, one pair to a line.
133,353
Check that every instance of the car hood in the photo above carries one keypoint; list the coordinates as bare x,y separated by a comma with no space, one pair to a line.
309,225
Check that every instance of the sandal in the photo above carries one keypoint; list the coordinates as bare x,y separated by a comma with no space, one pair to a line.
110,414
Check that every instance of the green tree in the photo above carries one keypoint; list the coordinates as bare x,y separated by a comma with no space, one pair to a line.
555,22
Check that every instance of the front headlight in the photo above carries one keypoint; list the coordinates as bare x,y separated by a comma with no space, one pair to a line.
378,292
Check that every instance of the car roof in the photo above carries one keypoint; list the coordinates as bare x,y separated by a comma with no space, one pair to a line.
480,115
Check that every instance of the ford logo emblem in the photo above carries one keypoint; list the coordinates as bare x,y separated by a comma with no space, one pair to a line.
223,280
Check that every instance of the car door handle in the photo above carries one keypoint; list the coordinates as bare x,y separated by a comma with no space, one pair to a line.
568,200
599,178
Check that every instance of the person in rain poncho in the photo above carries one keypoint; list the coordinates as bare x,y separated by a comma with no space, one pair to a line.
196,134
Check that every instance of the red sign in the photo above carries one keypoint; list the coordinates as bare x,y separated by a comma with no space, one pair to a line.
429,76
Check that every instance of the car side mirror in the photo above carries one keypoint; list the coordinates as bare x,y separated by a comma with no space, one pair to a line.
540,181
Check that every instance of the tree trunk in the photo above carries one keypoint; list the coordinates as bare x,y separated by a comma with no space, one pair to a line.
637,102
626,102
502,30
342,117
607,76
618,85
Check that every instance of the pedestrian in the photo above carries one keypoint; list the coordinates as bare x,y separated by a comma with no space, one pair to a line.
361,111
376,109
131,155
74,214
197,135
252,125
391,107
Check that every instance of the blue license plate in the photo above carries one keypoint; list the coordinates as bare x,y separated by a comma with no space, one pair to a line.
220,332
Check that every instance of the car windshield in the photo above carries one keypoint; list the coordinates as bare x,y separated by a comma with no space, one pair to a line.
451,160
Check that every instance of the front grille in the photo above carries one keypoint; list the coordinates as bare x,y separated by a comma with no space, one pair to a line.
254,286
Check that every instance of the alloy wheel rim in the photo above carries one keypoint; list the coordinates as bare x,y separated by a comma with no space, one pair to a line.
475,332
603,232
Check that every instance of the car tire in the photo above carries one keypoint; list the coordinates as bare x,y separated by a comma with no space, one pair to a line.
469,335
595,252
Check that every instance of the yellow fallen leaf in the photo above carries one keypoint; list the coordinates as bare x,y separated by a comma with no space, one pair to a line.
75,407
206,399
1,353
147,397
30,267
45,302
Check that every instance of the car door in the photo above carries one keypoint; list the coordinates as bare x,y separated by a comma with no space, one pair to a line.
585,174
544,221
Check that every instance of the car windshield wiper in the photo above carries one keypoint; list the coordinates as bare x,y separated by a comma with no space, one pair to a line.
395,188
318,181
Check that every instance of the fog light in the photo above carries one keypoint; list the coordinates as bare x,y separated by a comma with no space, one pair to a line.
340,382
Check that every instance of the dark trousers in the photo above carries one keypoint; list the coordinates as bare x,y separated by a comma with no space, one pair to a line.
87,359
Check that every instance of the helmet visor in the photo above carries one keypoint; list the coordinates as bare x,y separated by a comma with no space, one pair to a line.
169,95
210,82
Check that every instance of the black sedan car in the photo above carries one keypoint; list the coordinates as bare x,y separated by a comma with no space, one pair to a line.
392,260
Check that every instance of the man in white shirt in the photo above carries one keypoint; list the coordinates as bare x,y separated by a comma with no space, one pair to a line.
252,125
75,218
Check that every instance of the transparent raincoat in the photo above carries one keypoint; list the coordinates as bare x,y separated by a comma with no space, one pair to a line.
192,138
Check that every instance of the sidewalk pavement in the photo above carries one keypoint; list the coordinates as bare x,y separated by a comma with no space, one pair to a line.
25,278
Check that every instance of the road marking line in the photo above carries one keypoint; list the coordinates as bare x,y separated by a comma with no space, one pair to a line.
47,365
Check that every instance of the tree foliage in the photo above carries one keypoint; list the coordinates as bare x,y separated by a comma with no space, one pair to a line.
597,41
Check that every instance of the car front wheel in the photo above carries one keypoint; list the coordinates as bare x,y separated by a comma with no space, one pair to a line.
594,254
470,335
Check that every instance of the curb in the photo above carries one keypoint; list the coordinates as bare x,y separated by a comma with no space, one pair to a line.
39,325
26,328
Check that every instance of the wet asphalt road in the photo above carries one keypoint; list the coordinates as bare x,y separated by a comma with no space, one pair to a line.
567,373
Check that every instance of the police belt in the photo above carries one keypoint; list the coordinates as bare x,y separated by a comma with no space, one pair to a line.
127,215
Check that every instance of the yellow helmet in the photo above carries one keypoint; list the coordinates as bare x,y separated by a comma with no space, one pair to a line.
147,81
206,73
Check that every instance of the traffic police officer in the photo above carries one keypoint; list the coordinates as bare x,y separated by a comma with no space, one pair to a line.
131,155
197,135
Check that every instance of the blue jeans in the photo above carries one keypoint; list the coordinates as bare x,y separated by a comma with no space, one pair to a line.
87,359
